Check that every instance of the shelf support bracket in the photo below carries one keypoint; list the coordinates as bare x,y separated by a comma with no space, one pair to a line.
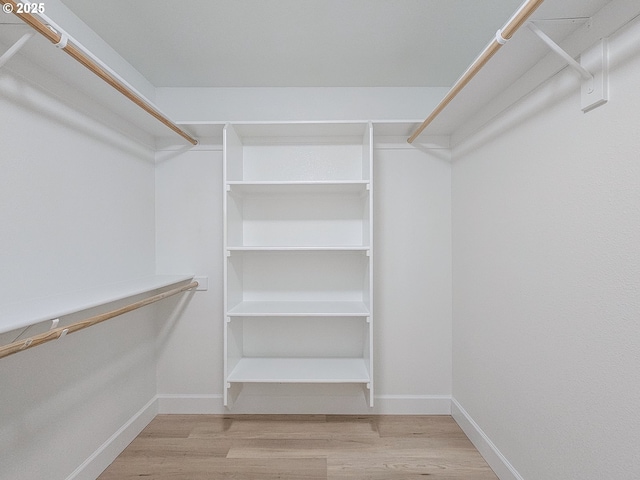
594,90
15,48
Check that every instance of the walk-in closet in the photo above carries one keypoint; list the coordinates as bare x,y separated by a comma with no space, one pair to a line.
323,239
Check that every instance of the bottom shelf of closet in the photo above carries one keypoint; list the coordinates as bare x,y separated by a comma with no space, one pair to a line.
300,370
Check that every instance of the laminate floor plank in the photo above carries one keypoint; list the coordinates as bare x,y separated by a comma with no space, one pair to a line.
327,447
346,451
389,467
218,468
426,426
180,426
156,447
288,429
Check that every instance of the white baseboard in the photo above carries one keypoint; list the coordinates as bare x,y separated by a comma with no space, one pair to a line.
301,404
97,462
496,460
412,405
190,404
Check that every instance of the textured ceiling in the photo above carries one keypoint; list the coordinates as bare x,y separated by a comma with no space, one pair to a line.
297,43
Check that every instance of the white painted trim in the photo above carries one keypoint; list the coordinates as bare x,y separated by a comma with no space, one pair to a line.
205,144
496,460
431,142
99,460
383,404
184,404
412,405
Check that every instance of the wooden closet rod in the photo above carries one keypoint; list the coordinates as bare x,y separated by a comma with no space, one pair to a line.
61,40
502,35
56,333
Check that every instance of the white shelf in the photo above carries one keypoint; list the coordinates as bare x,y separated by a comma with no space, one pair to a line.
299,309
23,314
68,80
305,214
287,130
293,249
300,370
297,187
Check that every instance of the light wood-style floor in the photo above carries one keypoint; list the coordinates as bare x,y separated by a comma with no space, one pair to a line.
300,447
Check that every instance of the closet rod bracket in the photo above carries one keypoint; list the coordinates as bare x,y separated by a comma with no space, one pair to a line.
15,48
499,38
592,68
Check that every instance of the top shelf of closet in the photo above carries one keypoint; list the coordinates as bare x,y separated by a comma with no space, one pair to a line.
303,154
274,132
295,187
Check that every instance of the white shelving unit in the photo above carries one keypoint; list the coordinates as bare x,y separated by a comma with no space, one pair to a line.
298,254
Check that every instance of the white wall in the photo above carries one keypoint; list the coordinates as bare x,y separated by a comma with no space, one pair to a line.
298,104
412,282
76,211
546,270
189,239
72,195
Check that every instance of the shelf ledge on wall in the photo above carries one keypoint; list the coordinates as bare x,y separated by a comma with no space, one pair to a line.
24,314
